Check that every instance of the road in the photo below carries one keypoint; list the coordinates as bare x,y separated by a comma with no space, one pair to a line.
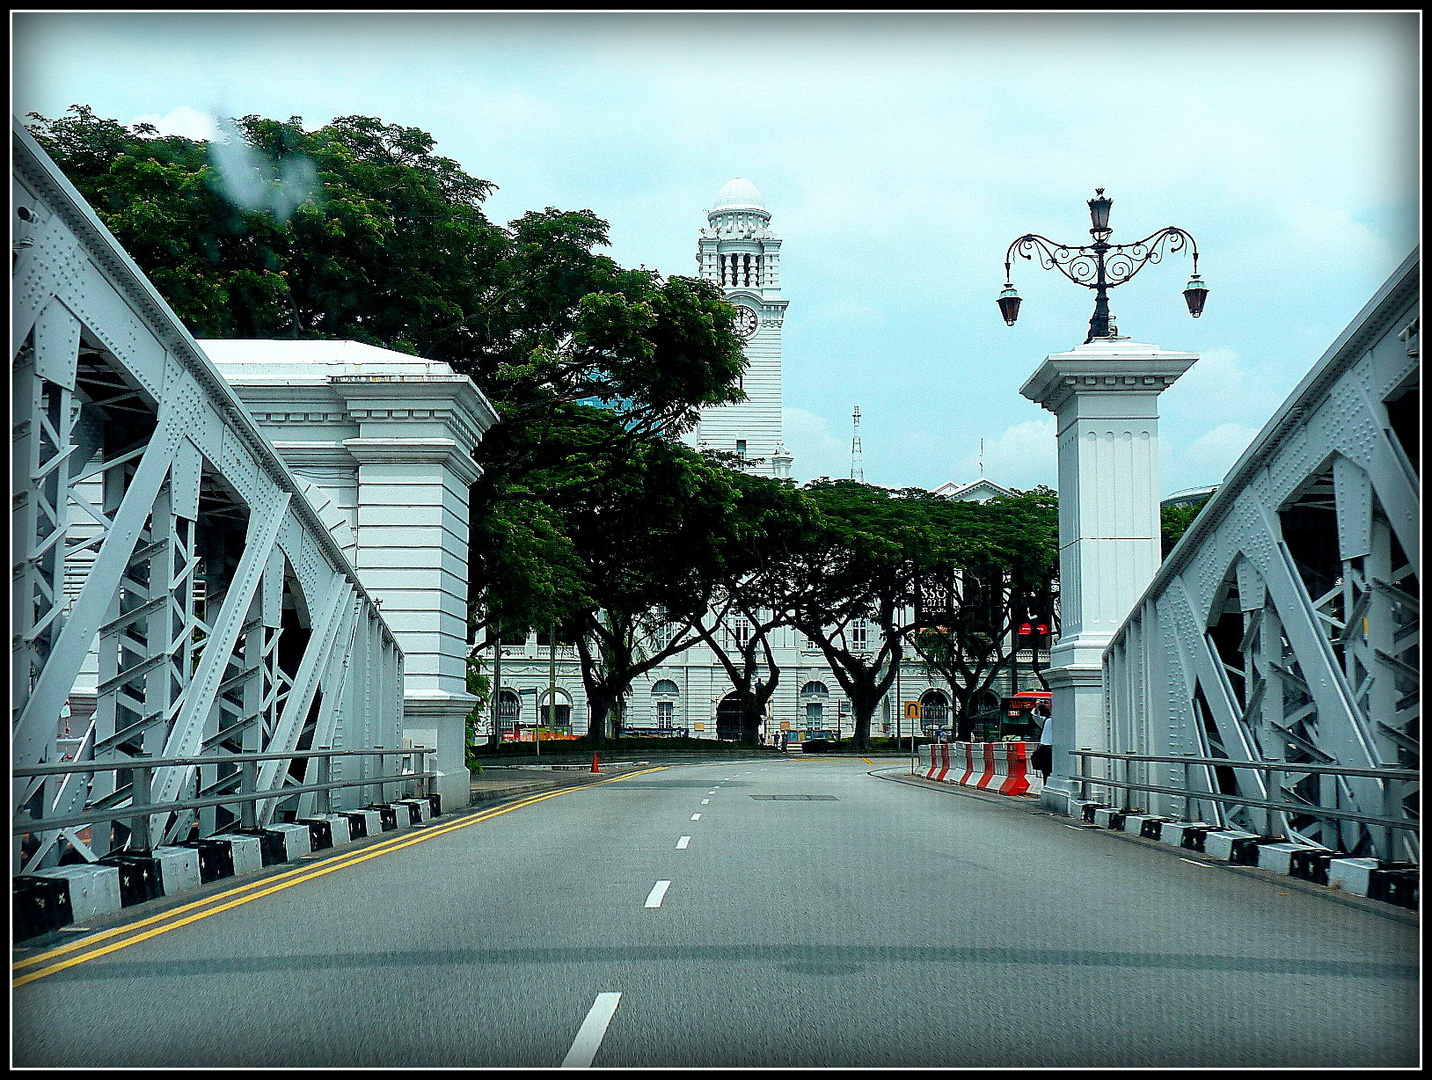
877,923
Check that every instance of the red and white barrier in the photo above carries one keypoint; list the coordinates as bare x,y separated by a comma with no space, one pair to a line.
1002,766
969,749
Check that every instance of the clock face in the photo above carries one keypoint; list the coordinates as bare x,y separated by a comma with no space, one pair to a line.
746,321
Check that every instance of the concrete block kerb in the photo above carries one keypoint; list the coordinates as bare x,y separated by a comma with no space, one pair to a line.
388,438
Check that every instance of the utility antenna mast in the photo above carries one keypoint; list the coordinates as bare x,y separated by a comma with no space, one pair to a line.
857,456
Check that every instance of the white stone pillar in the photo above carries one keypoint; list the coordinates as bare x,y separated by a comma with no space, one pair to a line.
1105,397
414,471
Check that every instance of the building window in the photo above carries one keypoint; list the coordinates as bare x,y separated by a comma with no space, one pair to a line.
857,636
738,635
665,714
741,449
813,711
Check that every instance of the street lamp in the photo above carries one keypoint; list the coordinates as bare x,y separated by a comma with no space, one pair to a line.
1101,265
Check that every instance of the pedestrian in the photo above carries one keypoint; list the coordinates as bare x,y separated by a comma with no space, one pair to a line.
1042,759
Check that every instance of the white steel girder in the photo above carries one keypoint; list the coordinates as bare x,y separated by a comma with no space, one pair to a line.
167,567
1284,626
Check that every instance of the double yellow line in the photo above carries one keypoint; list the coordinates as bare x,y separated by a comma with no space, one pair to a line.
108,941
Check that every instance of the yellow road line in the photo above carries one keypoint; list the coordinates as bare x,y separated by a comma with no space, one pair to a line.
243,894
867,761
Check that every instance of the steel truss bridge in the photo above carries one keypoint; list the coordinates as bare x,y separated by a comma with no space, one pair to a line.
174,590
1283,628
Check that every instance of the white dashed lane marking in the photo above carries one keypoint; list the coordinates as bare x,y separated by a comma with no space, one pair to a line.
695,817
683,842
593,1029
658,890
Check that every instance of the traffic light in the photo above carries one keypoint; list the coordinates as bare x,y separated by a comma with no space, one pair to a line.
1032,635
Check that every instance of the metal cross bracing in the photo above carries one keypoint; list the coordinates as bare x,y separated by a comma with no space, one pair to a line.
173,589
1284,625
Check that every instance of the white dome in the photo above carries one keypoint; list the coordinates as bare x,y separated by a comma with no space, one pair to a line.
739,193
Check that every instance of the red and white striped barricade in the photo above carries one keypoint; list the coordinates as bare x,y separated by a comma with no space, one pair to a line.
944,761
1016,769
987,777
969,752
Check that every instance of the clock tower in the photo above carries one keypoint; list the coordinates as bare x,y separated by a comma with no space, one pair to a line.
738,252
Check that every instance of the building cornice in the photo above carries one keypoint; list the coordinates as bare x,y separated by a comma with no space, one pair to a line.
1112,367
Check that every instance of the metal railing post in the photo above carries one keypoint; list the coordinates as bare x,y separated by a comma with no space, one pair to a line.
141,777
1268,811
323,800
1187,790
1384,842
248,787
1083,775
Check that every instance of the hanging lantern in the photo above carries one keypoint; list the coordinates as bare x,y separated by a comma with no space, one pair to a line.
1099,211
1194,295
1009,304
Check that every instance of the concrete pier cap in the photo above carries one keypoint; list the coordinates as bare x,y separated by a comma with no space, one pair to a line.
1104,395
386,440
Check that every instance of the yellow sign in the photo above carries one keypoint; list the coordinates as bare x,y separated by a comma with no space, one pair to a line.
912,710
698,726
785,725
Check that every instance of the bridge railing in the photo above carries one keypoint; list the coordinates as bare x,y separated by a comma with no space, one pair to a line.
1271,817
1278,642
247,802
175,597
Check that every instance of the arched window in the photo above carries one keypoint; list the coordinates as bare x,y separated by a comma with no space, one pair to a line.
934,707
559,717
664,694
509,708
814,689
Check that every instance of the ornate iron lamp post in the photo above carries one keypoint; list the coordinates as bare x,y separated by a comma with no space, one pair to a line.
1101,265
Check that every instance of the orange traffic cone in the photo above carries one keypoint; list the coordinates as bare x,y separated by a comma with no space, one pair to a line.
594,762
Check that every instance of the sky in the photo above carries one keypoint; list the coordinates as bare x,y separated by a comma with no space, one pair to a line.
899,156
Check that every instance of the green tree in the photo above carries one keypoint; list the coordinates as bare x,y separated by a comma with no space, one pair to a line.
359,230
637,529
1174,522
748,596
1004,563
851,587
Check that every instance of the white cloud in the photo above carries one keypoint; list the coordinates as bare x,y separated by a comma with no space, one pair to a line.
1208,459
1023,457
1218,389
184,121
818,452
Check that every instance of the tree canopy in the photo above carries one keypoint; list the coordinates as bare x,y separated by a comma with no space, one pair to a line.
359,229
589,513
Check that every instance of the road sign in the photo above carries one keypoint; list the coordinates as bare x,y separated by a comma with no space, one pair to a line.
912,710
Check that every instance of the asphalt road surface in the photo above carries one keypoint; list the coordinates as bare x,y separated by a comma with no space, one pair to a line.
700,916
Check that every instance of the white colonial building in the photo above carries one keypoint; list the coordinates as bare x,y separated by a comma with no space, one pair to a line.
685,695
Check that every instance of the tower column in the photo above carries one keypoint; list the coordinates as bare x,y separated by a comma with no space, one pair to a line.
739,254
1105,396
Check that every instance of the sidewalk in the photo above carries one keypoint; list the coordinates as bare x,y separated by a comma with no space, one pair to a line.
499,783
